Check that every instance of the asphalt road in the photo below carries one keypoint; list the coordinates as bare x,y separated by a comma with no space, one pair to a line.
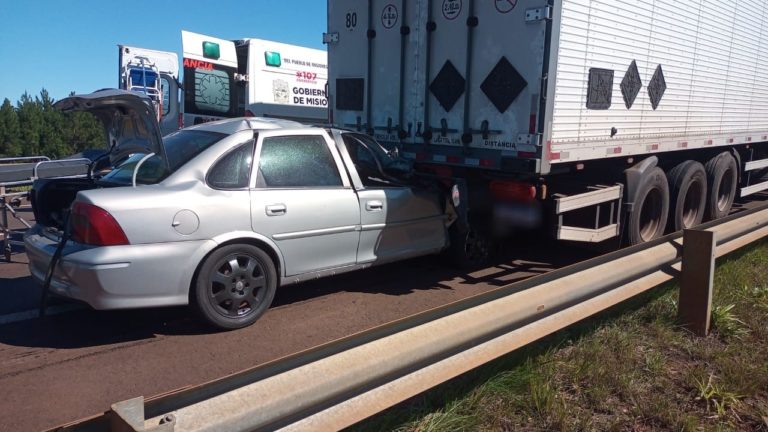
76,363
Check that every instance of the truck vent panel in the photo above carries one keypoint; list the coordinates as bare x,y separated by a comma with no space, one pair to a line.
503,85
448,86
657,87
631,85
600,89
350,94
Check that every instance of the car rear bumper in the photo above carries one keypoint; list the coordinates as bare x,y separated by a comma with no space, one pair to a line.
117,277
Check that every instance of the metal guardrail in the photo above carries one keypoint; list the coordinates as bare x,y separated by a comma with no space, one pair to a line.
23,171
21,159
341,383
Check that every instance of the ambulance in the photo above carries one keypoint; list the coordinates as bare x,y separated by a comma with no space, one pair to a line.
228,78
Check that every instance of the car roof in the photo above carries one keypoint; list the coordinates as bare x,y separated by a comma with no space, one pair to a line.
232,125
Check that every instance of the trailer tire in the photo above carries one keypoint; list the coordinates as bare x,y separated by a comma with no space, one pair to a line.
688,195
648,219
722,180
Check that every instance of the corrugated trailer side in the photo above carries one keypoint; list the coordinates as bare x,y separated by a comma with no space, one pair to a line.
633,78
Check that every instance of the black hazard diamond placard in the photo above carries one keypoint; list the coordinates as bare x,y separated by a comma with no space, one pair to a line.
656,87
631,85
503,85
448,86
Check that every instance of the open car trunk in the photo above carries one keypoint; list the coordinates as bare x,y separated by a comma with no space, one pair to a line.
52,198
130,126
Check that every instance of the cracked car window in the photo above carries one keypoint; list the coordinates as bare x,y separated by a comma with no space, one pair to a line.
233,170
297,161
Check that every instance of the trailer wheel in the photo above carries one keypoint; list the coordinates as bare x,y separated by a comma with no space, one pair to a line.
688,195
469,248
648,219
722,179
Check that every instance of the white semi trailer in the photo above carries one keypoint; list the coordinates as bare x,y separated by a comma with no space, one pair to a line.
596,118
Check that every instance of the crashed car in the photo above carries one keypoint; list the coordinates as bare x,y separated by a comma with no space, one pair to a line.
220,214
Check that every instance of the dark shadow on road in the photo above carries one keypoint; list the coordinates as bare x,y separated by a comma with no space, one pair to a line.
434,273
90,328
18,294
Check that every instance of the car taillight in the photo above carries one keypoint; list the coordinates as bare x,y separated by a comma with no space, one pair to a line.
95,226
249,113
181,120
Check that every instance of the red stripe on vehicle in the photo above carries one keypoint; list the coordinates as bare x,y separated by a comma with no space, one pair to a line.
550,155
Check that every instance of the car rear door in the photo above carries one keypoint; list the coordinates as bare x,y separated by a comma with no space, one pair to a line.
302,199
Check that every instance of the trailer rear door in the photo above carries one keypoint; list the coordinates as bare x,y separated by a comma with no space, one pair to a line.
462,75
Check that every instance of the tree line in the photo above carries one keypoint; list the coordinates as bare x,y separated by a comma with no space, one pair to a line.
33,127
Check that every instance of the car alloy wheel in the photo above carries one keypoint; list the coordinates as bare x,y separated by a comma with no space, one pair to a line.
234,286
237,285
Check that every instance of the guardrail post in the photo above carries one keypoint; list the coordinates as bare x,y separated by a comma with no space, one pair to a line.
128,416
695,304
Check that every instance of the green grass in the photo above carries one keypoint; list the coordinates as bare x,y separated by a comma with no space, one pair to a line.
629,369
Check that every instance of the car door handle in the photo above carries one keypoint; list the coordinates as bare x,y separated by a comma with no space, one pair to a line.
276,210
375,205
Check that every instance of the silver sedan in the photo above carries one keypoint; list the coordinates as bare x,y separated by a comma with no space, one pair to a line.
220,214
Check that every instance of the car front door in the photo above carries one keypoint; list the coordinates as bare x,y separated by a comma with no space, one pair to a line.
302,199
398,220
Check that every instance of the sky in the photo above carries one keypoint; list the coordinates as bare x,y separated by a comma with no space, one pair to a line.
71,45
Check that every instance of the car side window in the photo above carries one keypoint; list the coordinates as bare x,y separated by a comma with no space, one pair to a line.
358,151
233,170
165,86
297,161
364,160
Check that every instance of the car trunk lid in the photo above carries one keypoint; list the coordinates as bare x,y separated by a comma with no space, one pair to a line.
129,120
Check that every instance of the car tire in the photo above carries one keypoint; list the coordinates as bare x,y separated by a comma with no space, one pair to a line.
469,248
648,220
722,180
688,195
234,286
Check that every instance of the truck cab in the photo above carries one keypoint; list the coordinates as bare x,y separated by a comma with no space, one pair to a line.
155,74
